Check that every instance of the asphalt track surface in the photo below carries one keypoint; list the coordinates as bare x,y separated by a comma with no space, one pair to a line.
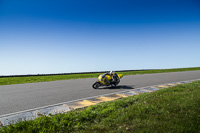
15,98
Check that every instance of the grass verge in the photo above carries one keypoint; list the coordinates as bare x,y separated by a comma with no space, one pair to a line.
32,79
175,109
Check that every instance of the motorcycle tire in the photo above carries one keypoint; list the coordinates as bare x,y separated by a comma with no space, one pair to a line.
96,85
117,83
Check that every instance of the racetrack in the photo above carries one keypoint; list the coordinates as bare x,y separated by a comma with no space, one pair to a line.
14,98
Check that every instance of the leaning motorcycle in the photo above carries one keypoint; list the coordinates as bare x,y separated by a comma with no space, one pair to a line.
102,80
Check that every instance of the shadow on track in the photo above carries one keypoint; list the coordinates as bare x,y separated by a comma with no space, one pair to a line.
118,87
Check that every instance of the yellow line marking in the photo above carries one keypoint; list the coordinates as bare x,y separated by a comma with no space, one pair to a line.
76,106
162,86
122,95
171,84
84,103
87,102
102,98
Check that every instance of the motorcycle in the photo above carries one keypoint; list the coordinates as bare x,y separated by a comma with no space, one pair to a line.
106,80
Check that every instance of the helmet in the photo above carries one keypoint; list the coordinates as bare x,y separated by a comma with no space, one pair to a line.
112,72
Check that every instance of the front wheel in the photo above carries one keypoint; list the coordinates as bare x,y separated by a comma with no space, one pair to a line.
96,85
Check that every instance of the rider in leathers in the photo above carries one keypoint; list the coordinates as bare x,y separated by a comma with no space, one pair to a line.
114,77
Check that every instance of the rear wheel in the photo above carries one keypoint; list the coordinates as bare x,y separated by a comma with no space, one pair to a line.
96,85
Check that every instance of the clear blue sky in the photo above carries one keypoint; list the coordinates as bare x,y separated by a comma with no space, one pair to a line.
48,36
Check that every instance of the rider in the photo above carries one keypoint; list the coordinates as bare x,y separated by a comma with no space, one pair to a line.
114,77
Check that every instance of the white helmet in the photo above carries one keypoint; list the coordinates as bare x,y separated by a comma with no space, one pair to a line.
112,72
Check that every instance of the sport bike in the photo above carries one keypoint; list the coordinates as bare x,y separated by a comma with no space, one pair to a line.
107,80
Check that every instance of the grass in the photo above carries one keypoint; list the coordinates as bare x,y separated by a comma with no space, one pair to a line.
175,109
32,79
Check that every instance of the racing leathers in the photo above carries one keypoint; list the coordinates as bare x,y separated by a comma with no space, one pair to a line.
114,79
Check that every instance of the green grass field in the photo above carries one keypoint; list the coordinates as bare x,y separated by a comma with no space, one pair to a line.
32,79
174,109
